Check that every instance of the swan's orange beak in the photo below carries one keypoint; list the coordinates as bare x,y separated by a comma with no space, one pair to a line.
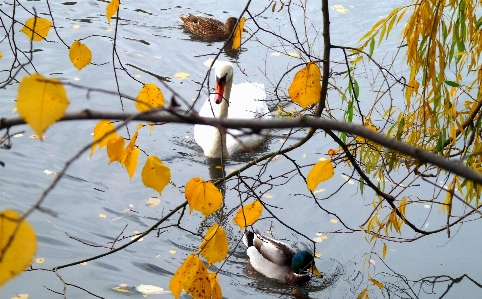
218,96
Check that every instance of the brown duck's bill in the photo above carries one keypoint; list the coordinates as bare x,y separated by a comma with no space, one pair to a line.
218,96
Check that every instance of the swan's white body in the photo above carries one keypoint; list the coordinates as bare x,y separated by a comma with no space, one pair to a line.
245,100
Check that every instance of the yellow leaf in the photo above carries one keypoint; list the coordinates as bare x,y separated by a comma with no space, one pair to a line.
41,30
176,281
203,196
21,242
100,130
195,280
375,282
215,245
238,31
1,55
111,9
41,101
321,172
150,97
131,161
80,55
130,146
115,148
155,175
248,214
363,294
384,250
306,88
215,288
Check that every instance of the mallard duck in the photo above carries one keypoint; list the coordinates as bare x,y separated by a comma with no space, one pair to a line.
243,101
207,27
278,260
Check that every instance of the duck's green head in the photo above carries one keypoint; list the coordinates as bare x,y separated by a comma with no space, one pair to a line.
303,262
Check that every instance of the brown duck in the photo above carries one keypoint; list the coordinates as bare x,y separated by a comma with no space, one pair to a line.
207,27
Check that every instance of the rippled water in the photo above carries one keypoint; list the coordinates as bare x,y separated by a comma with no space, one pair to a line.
152,45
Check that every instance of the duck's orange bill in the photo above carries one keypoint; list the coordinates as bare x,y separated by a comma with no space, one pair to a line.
315,271
218,96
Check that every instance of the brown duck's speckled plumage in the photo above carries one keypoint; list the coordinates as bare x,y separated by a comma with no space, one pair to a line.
207,27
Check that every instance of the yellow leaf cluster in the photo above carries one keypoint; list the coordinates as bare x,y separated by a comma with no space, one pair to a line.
306,87
215,245
321,172
150,97
155,175
203,196
37,29
238,31
111,9
248,214
192,277
41,102
21,242
80,55
130,155
101,138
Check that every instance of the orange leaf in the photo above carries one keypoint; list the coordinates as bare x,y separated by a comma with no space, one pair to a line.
375,282
216,289
321,172
20,251
195,280
115,148
306,87
111,9
203,196
249,214
176,281
155,175
238,32
100,130
131,145
41,30
150,97
215,245
131,162
80,55
41,102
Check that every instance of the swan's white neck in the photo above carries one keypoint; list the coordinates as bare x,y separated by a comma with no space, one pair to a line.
218,148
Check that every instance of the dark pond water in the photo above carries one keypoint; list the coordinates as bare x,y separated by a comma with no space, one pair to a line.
152,44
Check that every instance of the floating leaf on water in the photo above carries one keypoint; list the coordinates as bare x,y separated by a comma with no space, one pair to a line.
334,220
318,239
102,216
172,251
40,260
153,201
84,264
21,296
149,289
181,75
267,195
122,288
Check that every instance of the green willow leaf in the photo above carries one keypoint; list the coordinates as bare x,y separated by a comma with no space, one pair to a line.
452,83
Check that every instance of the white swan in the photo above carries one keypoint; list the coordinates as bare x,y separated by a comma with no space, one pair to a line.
245,100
